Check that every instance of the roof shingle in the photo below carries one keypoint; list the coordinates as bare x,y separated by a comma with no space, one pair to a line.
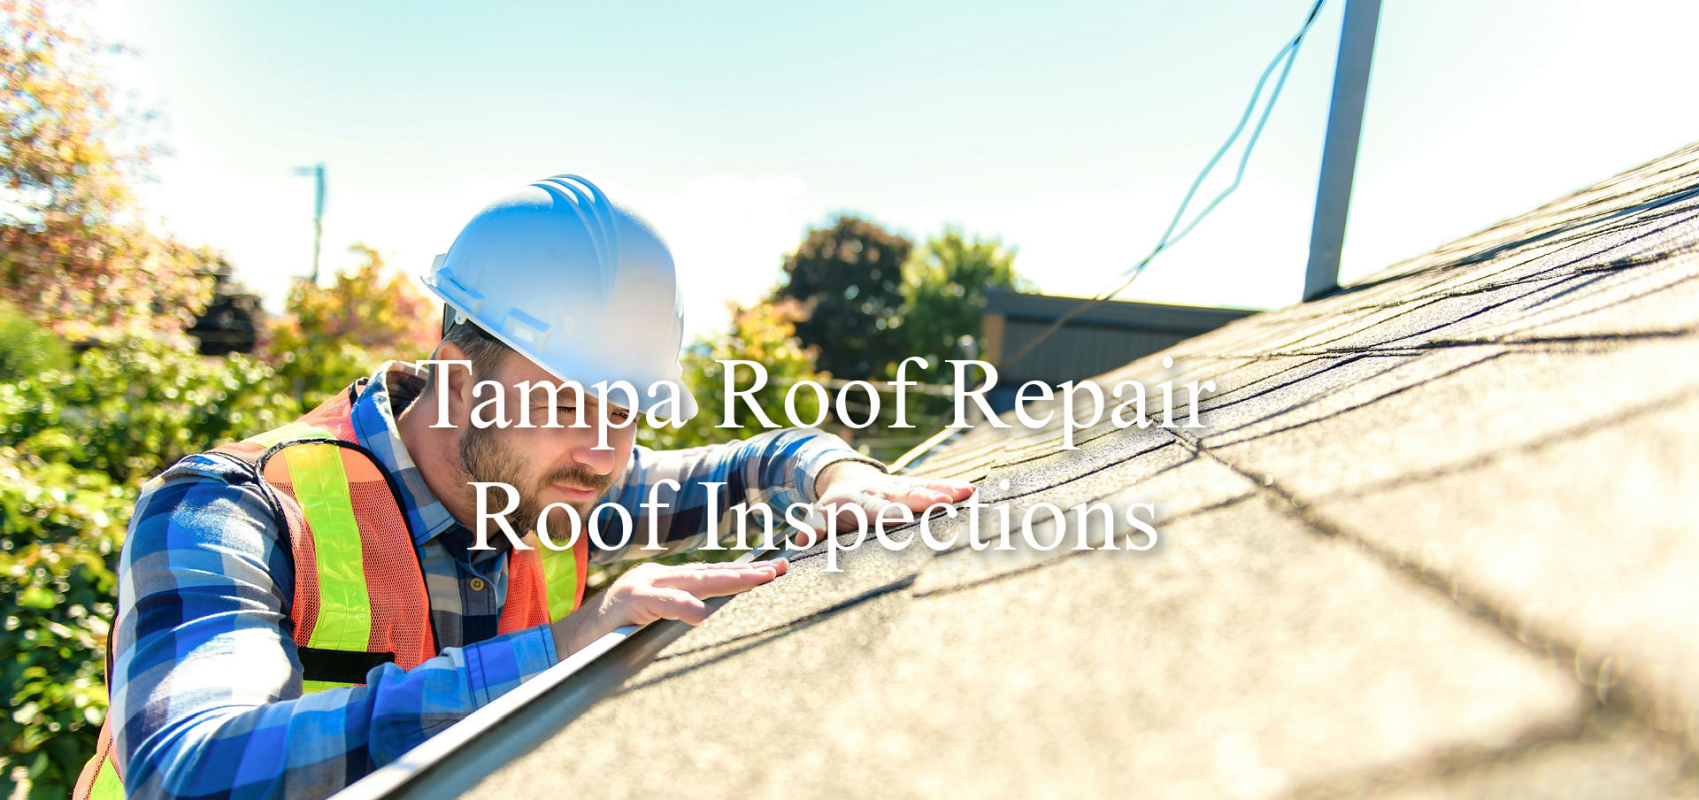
1437,539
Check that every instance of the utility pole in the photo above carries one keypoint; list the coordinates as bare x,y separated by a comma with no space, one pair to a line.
317,171
1339,154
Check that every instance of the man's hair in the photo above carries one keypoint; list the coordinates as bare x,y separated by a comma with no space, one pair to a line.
483,350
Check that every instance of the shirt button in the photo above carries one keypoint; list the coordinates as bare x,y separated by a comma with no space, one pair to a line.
477,584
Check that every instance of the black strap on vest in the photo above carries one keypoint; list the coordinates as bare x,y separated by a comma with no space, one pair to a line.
339,666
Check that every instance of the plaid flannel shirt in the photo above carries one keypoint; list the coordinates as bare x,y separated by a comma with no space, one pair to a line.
206,684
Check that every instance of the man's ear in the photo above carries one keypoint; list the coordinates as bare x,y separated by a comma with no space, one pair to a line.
458,378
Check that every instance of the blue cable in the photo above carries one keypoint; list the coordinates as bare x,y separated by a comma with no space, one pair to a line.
1289,54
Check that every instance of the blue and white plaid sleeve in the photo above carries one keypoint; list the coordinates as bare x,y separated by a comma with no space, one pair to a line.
206,684
777,468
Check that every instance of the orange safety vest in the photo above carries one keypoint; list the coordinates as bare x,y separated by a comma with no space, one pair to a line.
360,597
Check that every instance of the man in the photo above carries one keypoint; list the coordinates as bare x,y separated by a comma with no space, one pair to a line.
300,608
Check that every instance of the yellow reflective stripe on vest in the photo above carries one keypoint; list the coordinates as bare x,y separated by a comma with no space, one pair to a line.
294,430
106,786
308,687
321,488
560,575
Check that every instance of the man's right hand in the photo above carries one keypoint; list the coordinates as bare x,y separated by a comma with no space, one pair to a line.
650,592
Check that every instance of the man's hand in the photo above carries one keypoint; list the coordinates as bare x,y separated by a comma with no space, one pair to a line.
848,484
650,592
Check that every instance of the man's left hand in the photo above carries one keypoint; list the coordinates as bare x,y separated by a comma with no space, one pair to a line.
848,484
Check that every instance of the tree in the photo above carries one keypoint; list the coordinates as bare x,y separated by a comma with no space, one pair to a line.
944,289
848,277
338,333
373,308
763,333
72,251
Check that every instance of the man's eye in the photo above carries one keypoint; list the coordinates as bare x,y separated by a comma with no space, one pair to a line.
620,415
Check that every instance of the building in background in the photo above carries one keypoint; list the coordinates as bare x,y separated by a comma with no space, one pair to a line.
1103,338
233,321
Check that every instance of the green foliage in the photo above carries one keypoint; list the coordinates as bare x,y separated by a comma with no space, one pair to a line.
60,529
77,442
26,348
134,406
863,318
763,333
373,308
318,368
869,299
78,438
75,447
848,277
944,286
335,334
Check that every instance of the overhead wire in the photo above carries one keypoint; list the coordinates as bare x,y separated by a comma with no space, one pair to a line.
1282,59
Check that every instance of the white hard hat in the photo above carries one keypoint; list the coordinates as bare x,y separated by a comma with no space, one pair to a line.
576,283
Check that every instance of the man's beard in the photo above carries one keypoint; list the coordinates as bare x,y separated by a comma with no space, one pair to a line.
487,461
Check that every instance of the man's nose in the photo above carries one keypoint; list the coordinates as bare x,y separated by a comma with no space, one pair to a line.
585,452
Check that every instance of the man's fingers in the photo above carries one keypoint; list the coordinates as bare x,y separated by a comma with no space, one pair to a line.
778,563
919,497
879,494
811,530
718,581
667,603
958,490
871,506
653,591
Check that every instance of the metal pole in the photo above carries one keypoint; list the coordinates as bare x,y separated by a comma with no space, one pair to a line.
1339,154
318,210
317,171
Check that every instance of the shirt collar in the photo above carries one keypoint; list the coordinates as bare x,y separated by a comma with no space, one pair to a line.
394,387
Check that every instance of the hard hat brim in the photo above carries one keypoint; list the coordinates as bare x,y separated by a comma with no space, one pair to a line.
646,386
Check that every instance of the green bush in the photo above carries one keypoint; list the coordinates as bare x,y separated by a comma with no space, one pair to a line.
75,446
26,348
132,407
59,539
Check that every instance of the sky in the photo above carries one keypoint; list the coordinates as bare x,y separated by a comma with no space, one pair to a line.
1069,130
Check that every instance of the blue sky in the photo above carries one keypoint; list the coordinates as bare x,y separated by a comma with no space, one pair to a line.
1070,130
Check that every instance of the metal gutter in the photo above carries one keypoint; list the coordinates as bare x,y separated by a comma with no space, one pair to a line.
457,759
454,761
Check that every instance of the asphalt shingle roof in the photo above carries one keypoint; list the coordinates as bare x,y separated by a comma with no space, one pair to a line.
1438,539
